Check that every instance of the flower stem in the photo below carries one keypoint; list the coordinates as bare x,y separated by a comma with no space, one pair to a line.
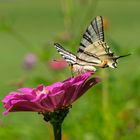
108,129
56,118
57,131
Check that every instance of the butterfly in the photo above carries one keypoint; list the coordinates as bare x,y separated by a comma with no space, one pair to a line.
93,51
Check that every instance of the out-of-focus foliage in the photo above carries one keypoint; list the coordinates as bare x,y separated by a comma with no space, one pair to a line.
111,110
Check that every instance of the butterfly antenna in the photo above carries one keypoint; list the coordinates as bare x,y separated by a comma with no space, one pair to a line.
122,56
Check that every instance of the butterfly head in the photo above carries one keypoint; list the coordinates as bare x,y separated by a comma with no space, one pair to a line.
112,63
109,63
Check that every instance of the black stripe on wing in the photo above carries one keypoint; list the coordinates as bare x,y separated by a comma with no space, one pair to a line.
68,56
93,33
86,62
106,48
98,26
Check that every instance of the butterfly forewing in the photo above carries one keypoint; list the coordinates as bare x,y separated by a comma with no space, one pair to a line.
92,34
68,56
91,45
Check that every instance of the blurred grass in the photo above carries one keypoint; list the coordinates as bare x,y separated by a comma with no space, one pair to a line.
42,23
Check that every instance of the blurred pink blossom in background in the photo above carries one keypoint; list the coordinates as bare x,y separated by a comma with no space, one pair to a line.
57,64
29,61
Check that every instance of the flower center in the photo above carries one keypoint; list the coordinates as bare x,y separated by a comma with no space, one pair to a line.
44,91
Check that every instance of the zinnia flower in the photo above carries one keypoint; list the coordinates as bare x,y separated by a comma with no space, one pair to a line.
49,98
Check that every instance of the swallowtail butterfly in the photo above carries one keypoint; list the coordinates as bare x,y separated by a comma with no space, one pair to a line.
93,51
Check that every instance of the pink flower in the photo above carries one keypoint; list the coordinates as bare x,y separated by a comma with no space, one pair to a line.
30,60
57,64
49,98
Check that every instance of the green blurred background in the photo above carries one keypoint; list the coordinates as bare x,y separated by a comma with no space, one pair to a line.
110,110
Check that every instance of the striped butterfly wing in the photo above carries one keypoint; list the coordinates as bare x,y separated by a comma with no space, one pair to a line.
93,33
92,46
97,53
68,56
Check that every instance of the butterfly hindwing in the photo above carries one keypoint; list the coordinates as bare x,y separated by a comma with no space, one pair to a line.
95,54
98,49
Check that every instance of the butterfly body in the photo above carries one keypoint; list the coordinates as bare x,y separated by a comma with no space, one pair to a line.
93,51
82,69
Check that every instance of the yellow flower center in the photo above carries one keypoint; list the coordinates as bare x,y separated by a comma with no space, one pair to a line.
44,91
